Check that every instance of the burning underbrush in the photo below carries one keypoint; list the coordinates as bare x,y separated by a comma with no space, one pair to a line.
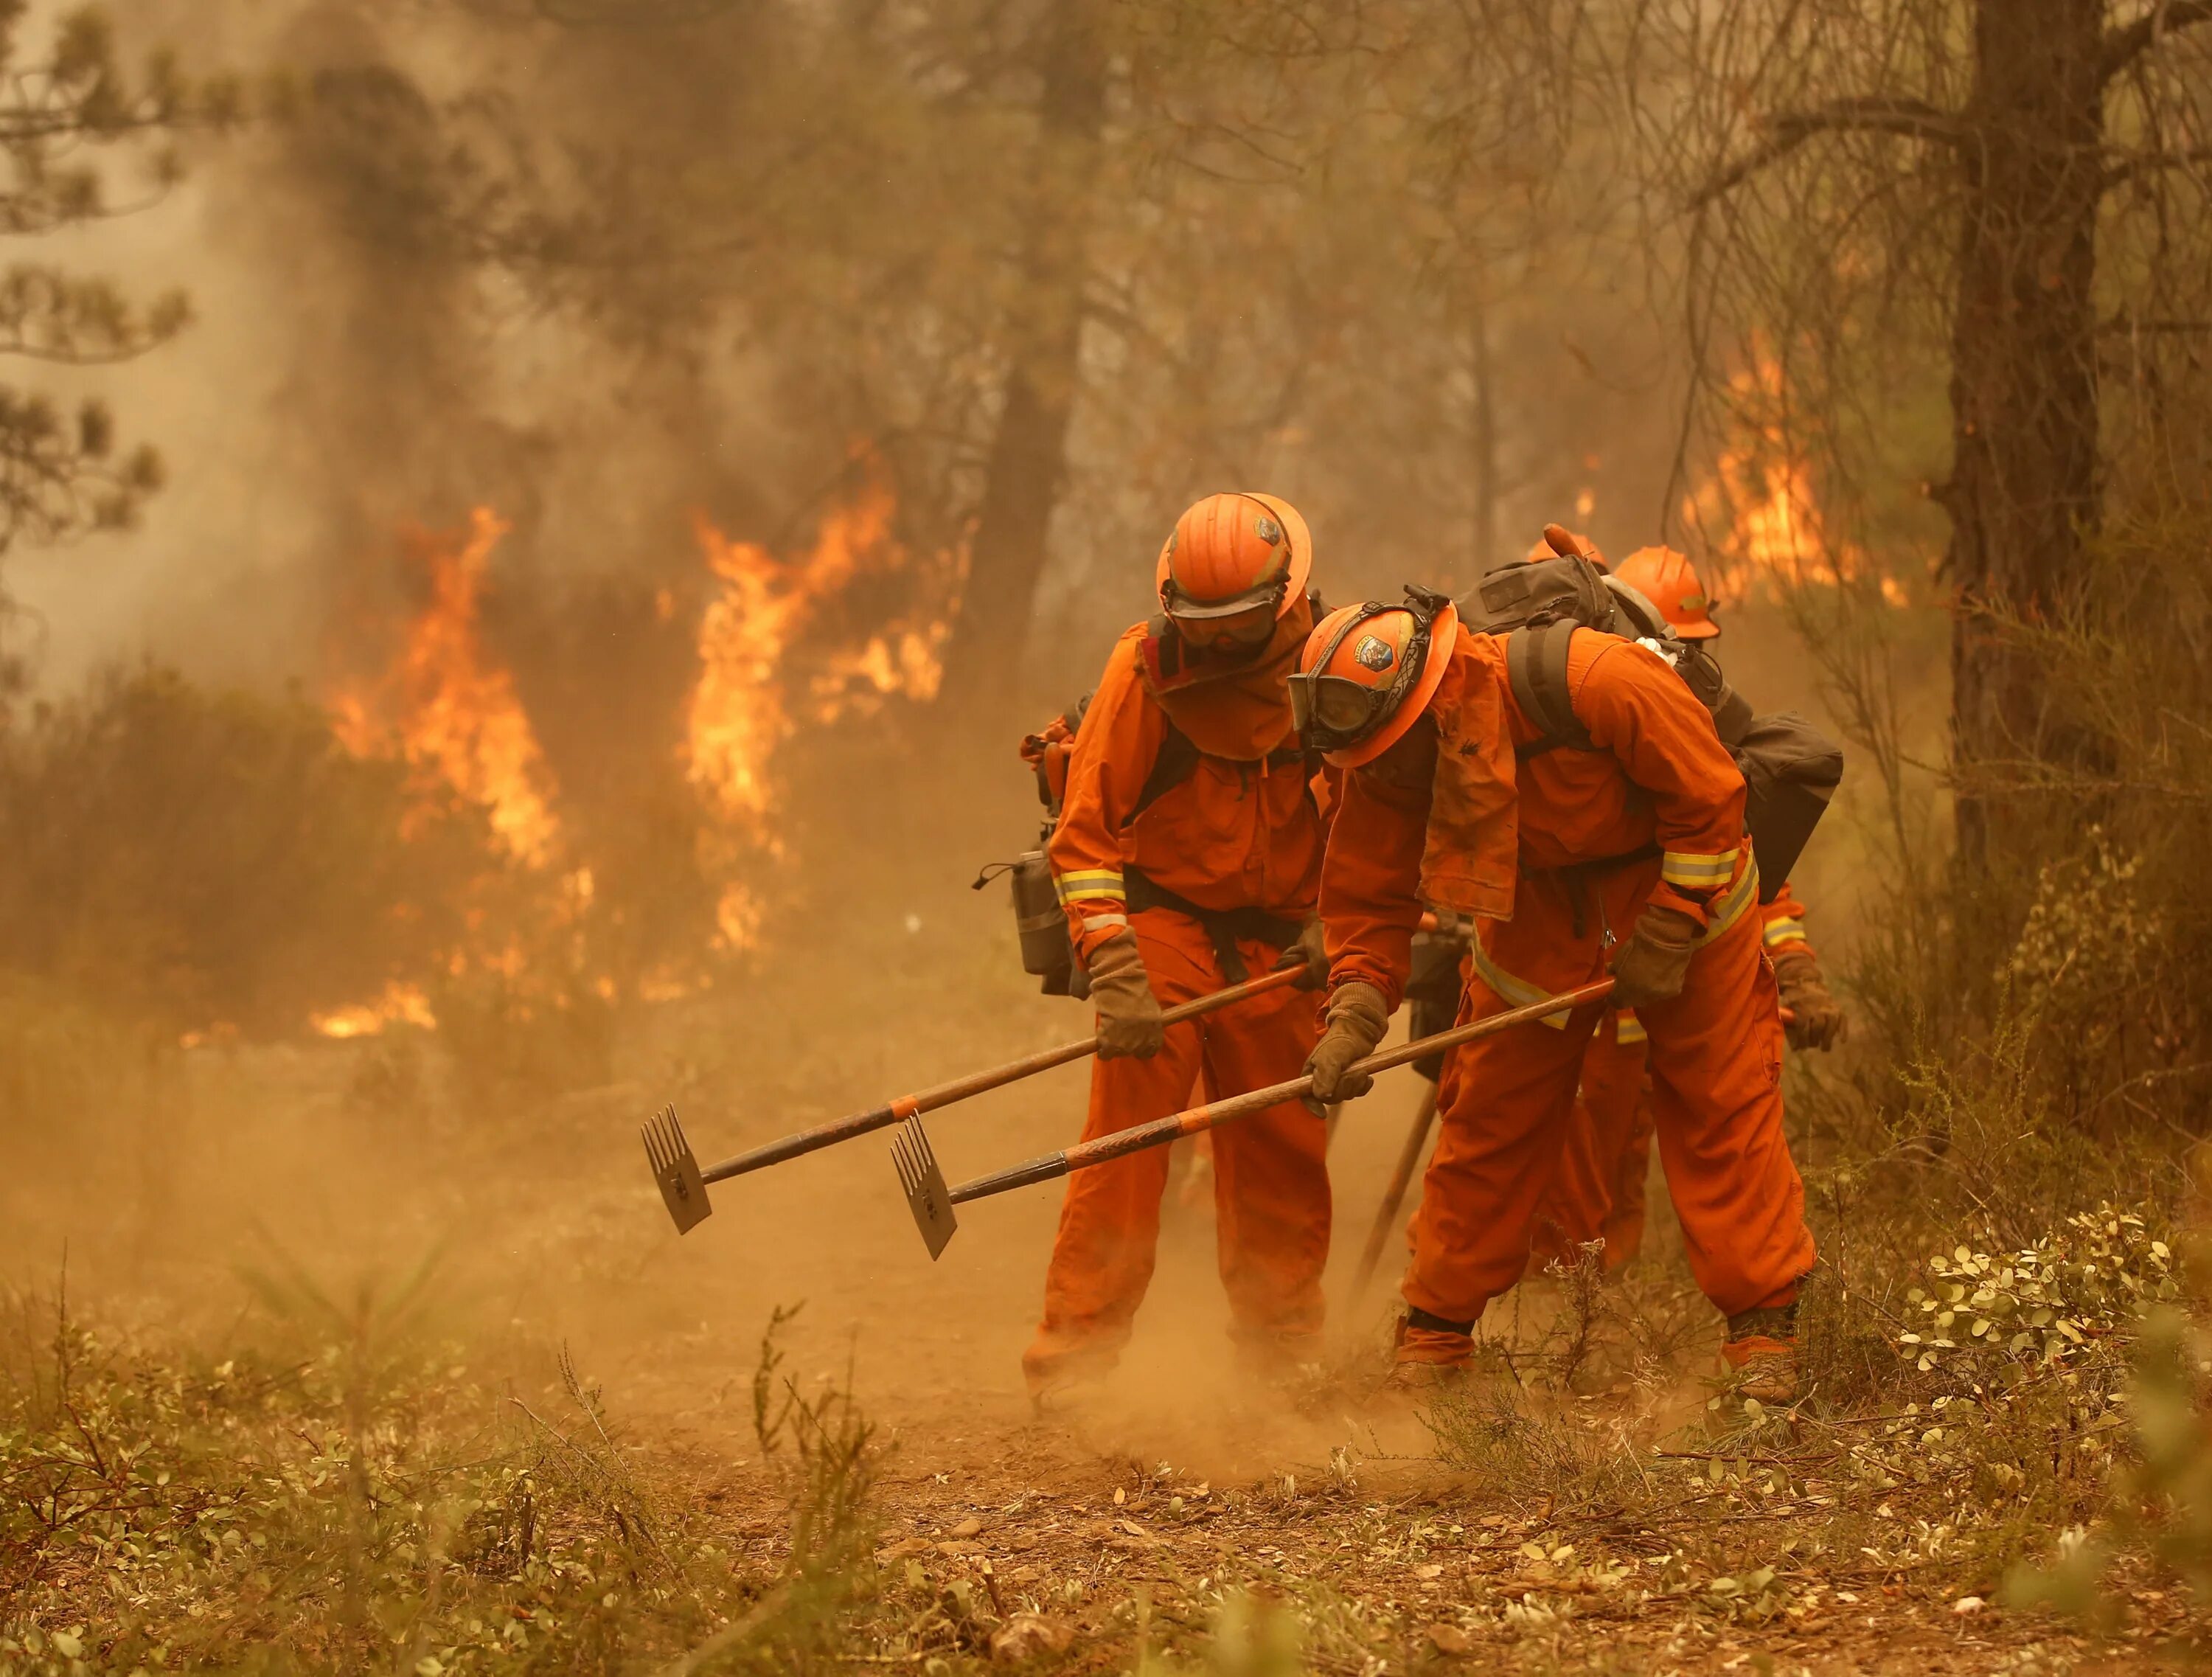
505,818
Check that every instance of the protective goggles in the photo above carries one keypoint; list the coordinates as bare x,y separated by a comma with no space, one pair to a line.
1335,712
1268,597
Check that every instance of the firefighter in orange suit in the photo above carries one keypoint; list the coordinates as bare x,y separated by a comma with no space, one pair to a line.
1631,855
1598,1194
1188,856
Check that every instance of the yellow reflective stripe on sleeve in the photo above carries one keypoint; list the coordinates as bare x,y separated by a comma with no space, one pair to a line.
1513,992
1739,899
1687,871
1784,931
1627,1028
1090,882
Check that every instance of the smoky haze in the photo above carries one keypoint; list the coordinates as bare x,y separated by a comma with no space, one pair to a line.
447,277
761,272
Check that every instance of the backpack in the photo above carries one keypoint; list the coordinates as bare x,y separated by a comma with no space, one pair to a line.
1790,769
1535,608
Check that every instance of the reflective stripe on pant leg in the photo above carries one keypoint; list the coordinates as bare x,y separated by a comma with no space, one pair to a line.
1716,1105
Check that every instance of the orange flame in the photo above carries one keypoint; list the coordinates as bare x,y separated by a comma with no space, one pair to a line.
1761,500
400,1004
449,710
758,678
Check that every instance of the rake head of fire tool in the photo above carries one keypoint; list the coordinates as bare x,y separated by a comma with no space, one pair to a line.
683,1190
927,1195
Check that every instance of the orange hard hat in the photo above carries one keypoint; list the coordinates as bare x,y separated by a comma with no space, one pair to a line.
1234,553
1670,581
1558,542
1368,673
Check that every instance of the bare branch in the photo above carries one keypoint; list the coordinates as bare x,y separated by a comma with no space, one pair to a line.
1909,119
2124,45
2152,162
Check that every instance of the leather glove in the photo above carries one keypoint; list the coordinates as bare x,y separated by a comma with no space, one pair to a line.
1308,952
1820,1021
1128,1013
1652,964
1358,1015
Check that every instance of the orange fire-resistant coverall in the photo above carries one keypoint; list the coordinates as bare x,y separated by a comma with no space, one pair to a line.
1587,824
1599,1191
1237,834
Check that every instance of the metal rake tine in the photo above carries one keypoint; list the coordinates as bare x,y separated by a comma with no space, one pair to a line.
927,1195
675,1172
903,1160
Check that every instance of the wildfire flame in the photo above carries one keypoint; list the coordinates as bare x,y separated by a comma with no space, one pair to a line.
1761,500
756,686
449,709
399,1003
777,653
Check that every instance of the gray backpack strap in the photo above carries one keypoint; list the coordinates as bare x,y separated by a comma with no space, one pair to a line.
1536,663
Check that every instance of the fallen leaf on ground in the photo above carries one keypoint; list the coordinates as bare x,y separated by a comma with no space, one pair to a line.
1449,1639
1431,1570
971,1527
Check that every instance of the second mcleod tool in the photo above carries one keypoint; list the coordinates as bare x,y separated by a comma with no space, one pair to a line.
683,1183
932,1201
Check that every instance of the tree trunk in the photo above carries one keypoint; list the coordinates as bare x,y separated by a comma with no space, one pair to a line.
1044,333
2024,486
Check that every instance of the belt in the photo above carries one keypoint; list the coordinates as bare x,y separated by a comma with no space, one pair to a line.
1224,927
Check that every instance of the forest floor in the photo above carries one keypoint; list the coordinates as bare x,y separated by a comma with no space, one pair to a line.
332,1391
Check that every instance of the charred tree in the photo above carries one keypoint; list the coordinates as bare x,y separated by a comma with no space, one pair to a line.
1042,350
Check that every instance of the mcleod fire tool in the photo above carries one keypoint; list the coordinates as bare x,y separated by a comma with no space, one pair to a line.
682,1184
932,1201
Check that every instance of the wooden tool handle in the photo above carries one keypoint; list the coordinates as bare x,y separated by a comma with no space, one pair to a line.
976,1082
1162,1131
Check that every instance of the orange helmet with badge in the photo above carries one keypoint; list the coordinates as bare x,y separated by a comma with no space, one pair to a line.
1368,673
1231,554
1671,582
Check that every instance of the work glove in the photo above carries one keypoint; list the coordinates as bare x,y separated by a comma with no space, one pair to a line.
1308,952
1128,1014
1817,1019
1652,964
1357,1017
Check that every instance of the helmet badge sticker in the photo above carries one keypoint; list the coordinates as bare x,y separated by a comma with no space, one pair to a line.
1373,653
1268,530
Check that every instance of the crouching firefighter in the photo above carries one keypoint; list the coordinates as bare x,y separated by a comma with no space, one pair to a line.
1186,856
1630,854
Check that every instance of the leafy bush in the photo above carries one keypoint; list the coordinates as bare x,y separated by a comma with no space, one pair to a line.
2072,1300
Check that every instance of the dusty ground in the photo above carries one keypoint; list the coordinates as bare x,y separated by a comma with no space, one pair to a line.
1122,1528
